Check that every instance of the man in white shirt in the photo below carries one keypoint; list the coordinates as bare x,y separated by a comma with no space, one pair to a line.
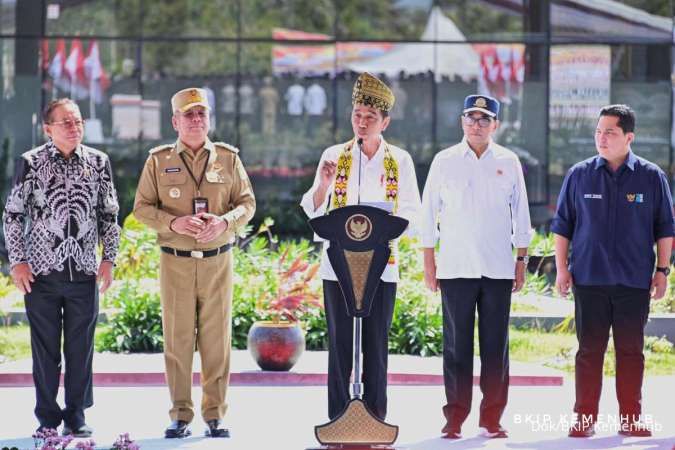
475,205
315,100
294,97
364,169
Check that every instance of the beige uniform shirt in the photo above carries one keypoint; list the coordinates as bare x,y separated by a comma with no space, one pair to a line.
166,191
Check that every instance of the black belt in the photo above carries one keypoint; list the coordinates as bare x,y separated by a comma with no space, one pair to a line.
197,253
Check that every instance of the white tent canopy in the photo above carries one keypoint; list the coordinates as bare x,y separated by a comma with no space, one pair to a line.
443,59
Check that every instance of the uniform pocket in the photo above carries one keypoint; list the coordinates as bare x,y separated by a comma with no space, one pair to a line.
501,191
172,179
452,194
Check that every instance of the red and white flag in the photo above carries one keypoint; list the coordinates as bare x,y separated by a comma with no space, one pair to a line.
95,73
74,68
56,67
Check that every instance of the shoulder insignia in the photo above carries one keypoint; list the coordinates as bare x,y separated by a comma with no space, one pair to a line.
229,147
159,148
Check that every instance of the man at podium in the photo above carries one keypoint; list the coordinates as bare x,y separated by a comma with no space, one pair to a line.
366,169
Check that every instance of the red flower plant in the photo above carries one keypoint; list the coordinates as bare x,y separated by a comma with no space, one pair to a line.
293,295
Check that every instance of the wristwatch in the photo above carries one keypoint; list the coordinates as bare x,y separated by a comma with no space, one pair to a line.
663,270
524,259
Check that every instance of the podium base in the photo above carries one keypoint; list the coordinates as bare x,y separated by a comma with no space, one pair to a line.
354,447
357,427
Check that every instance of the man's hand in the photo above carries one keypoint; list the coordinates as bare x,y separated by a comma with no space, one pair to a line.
563,281
214,226
22,276
430,269
328,169
519,280
659,285
105,276
188,225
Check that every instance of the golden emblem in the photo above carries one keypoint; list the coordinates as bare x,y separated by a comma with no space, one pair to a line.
630,197
358,227
480,103
174,193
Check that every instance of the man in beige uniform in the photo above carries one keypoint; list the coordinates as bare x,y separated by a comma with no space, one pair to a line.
195,193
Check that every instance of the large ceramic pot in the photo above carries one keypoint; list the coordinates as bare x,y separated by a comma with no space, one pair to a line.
276,346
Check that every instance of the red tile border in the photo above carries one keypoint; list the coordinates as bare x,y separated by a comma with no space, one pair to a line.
263,378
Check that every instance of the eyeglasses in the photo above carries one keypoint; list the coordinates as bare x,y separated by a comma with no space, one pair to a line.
192,114
69,123
483,122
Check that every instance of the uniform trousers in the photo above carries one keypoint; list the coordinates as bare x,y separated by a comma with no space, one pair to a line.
57,307
625,311
461,298
196,296
375,348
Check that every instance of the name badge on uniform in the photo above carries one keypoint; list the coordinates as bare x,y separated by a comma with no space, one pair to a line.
172,170
200,205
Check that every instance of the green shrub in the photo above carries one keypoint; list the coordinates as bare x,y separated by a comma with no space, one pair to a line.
138,255
658,345
316,330
417,325
137,325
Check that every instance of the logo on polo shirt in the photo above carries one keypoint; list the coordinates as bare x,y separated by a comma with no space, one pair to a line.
596,196
635,198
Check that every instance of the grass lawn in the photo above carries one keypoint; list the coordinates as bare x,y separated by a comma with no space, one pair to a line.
15,342
557,350
551,349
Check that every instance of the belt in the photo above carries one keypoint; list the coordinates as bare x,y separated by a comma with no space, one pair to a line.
199,254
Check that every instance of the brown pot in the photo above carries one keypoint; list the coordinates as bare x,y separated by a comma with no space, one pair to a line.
276,346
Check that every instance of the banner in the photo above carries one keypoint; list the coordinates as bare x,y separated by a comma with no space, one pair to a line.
580,82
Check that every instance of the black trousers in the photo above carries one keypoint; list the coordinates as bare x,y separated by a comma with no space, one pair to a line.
625,310
375,338
461,297
55,307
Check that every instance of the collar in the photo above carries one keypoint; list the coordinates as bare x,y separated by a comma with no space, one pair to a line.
208,145
630,161
55,153
379,153
466,150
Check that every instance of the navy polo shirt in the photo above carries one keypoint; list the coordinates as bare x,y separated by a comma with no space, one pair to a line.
613,220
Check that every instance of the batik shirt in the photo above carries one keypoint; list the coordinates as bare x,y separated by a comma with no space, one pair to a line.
59,209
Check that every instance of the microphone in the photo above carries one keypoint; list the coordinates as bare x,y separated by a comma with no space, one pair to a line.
358,196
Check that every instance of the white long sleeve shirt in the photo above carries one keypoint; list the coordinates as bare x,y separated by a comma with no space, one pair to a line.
373,184
478,209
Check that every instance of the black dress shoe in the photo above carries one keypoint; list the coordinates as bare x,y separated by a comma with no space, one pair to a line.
494,432
177,429
451,432
213,429
634,429
582,429
83,431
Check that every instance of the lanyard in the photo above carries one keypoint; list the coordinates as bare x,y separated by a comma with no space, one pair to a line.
201,178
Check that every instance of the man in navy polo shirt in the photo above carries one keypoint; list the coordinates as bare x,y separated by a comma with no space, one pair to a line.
612,208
